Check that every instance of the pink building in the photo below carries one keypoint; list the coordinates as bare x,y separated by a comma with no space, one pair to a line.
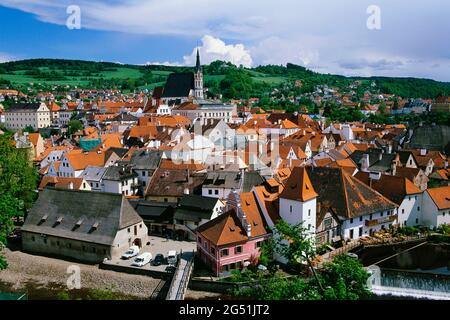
233,239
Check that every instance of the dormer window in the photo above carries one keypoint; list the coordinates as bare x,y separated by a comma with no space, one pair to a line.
78,224
94,227
58,222
43,219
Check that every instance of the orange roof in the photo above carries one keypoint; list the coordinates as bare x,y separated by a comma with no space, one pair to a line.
54,107
111,140
299,186
168,164
34,138
79,161
440,197
346,163
286,124
50,149
60,182
143,132
323,162
228,229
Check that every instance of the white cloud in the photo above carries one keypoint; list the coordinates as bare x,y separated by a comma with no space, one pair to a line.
275,50
319,34
215,49
4,57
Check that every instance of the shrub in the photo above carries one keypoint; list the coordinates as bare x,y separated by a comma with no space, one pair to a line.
3,262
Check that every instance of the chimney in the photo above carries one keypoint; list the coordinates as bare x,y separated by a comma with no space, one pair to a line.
71,185
393,168
446,164
423,152
365,163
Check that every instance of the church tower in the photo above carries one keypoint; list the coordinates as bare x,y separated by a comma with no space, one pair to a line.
198,78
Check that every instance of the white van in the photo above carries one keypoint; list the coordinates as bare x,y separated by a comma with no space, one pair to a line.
172,257
142,260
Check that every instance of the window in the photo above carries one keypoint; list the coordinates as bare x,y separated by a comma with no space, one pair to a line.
290,209
360,231
309,212
258,244
143,173
57,243
403,210
45,240
418,208
370,218
224,253
140,226
84,248
129,230
238,249
381,213
104,251
360,218
417,220
351,234
216,192
351,220
94,250
33,238
209,191
213,251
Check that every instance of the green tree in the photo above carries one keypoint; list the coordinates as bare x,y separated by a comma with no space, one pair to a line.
236,84
345,279
74,126
296,245
18,182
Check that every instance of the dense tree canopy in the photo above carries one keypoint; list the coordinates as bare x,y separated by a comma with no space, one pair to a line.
344,278
18,182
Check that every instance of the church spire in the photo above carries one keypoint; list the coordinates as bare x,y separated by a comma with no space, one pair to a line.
198,66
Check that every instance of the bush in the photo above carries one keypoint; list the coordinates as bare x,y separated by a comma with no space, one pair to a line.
63,295
438,238
3,262
444,229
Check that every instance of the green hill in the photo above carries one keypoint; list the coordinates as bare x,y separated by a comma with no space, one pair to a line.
219,76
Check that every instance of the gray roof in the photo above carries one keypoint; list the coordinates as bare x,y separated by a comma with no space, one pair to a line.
146,159
223,179
24,107
195,208
178,85
108,212
251,179
233,180
124,117
92,173
155,211
198,202
119,173
378,161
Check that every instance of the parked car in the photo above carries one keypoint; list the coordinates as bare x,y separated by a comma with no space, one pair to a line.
171,269
159,260
172,257
130,253
142,260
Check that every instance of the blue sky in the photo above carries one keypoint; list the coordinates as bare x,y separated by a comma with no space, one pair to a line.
323,35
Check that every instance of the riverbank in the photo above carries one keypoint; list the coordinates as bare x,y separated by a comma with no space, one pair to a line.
43,278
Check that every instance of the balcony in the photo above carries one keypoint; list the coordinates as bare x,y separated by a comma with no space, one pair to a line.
376,222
